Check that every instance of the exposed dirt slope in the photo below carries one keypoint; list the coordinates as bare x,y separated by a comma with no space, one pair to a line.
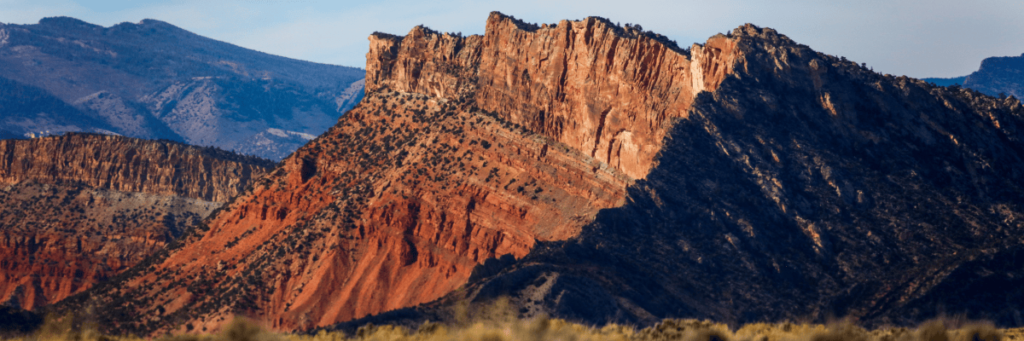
748,178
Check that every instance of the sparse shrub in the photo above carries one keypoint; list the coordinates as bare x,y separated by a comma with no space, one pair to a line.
933,330
979,332
844,331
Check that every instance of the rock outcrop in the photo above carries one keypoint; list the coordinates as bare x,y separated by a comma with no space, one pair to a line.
999,75
607,91
80,208
129,165
156,81
744,179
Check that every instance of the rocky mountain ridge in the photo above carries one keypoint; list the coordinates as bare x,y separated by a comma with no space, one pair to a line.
743,181
157,81
999,75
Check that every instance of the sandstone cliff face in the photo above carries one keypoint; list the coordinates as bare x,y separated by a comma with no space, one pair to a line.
607,91
391,208
740,173
56,241
129,165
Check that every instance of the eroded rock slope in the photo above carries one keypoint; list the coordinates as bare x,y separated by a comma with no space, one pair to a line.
80,208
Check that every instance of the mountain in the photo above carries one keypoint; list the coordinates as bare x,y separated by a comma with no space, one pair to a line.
749,178
78,209
946,81
803,188
31,110
999,75
156,81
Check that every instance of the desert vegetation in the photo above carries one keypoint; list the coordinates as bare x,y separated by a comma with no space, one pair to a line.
503,326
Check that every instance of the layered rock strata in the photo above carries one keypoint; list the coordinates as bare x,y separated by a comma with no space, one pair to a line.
129,165
80,208
607,91
56,241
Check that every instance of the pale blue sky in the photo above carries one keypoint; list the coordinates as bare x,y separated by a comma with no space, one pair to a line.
938,38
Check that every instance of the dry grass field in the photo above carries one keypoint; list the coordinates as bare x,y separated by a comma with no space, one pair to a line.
556,329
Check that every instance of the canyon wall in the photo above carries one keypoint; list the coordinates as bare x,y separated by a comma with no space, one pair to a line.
129,165
81,208
608,91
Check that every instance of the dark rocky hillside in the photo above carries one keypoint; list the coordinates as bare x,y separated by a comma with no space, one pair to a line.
999,75
26,107
154,80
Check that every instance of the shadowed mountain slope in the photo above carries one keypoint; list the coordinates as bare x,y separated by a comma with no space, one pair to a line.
154,80
999,75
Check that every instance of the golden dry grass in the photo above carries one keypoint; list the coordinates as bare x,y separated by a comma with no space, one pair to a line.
502,328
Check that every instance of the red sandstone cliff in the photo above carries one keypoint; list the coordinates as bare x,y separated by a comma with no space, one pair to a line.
129,165
80,208
606,91
464,148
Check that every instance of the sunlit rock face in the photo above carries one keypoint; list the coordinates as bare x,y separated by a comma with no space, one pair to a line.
81,208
